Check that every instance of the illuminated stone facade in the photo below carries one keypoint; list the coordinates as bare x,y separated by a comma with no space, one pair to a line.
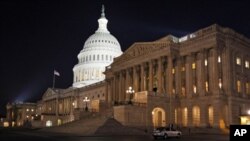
199,80
22,114
60,106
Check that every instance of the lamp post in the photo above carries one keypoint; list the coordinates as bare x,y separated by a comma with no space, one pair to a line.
130,91
86,100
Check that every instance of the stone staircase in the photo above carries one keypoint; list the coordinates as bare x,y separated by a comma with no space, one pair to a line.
85,126
113,127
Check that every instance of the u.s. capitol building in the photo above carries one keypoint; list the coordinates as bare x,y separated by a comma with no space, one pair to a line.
199,80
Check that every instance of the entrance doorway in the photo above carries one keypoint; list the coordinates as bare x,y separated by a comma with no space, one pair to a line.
158,117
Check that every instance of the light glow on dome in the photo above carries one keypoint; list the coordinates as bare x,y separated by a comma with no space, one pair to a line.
99,51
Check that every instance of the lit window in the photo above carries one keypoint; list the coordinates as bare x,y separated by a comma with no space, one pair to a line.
247,64
183,69
193,66
206,86
205,62
173,71
238,86
196,116
173,91
185,116
219,59
175,116
247,88
210,115
238,61
194,89
183,90
220,83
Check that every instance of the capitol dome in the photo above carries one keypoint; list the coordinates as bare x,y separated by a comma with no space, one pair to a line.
98,51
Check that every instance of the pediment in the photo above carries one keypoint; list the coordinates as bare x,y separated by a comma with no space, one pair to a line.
49,92
138,49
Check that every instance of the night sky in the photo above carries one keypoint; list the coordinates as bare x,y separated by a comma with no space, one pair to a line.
38,36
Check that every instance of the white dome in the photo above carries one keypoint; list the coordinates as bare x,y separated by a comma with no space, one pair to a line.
98,52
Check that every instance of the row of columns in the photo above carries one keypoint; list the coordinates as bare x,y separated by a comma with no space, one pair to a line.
165,74
59,106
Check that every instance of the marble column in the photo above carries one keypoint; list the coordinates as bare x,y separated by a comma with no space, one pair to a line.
120,86
134,78
201,74
127,84
213,71
189,82
227,70
178,77
142,78
165,87
150,88
170,76
159,75
57,104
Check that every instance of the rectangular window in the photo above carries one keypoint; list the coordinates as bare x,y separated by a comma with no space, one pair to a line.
219,59
193,66
238,61
183,91
205,62
173,91
247,88
173,71
206,86
183,69
220,83
238,86
247,64
194,89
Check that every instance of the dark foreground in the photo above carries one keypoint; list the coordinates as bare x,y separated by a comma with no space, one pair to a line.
31,135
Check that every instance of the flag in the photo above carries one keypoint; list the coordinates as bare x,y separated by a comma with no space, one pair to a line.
56,73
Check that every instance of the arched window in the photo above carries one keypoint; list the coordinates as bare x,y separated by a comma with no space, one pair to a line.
93,57
89,57
102,57
98,57
184,117
196,116
210,116
106,57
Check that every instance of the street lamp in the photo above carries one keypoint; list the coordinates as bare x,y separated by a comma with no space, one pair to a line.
86,100
248,112
130,91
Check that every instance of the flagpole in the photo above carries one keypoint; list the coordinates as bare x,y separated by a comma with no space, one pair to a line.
53,80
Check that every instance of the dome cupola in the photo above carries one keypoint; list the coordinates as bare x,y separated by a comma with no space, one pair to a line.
98,51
